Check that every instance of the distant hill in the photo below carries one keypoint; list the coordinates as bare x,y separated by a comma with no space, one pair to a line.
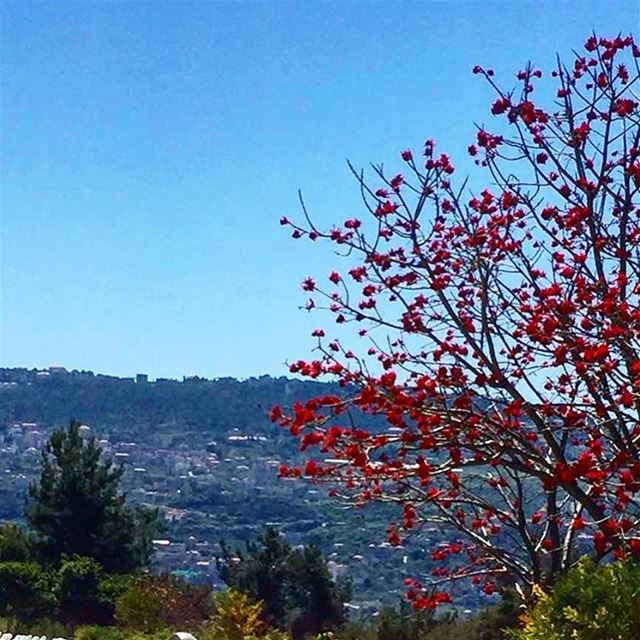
207,455
164,411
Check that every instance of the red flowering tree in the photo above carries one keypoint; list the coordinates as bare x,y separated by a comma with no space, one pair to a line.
501,332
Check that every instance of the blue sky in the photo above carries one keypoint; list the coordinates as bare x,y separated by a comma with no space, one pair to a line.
149,149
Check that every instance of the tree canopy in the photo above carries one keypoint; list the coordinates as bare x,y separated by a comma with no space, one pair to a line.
294,584
77,507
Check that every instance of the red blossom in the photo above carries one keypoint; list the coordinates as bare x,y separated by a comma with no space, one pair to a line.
500,106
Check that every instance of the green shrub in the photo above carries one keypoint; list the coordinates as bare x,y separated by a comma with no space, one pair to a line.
275,634
139,609
15,544
166,601
110,589
589,603
80,580
115,633
403,623
99,633
237,617
27,591
45,626
353,630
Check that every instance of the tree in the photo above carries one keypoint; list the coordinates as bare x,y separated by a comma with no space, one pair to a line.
501,334
15,544
237,617
77,507
589,603
294,584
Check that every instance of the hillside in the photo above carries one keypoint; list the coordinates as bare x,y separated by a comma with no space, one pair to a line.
206,454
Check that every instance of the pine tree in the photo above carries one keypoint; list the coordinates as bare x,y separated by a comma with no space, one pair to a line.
77,507
295,585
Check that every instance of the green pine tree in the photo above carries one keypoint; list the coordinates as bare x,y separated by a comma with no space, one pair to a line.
77,507
295,585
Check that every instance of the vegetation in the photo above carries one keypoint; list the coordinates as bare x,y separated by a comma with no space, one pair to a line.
499,334
164,601
16,545
237,616
77,508
589,603
26,591
85,544
294,585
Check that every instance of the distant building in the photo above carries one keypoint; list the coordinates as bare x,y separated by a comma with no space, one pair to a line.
57,371
142,378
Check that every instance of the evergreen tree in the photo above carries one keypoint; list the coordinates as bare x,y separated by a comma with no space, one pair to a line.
295,585
78,508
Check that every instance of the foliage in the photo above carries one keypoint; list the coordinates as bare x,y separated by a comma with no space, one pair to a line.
294,584
275,634
589,603
116,633
155,602
492,623
42,627
236,617
77,508
391,623
80,601
113,586
15,544
402,623
314,602
399,623
27,591
139,609
501,334
76,592
259,572
94,632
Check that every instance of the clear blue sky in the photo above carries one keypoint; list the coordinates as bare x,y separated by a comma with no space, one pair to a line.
149,149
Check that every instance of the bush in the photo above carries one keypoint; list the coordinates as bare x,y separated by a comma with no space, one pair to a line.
27,591
48,628
15,544
114,633
111,588
139,609
155,602
99,633
236,617
403,623
295,585
80,580
589,603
